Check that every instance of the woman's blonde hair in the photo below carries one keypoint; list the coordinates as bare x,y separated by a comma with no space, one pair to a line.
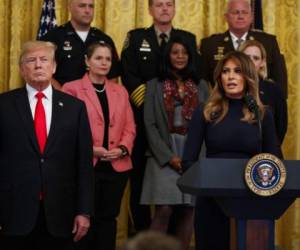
263,71
217,105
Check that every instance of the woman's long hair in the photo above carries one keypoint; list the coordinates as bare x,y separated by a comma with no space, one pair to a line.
217,105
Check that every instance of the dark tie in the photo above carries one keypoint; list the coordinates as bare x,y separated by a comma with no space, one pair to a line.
239,42
40,121
163,41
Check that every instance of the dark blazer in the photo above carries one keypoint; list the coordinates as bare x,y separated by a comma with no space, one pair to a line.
63,173
141,59
71,49
271,96
212,49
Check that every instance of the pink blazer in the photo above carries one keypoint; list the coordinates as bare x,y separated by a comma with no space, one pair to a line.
121,127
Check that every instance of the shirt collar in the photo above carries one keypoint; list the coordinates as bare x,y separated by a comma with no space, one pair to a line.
234,37
32,92
158,32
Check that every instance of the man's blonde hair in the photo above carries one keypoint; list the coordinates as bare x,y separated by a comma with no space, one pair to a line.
228,4
31,46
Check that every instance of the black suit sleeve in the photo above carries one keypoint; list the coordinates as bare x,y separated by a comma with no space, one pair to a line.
270,142
205,62
197,57
85,202
277,69
280,113
115,70
131,77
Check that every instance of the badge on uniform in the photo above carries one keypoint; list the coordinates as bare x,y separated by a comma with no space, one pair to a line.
145,46
220,53
251,38
67,45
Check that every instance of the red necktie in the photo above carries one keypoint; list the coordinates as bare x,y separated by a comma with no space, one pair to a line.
40,121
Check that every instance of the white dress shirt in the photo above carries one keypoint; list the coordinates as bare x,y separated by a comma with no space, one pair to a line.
47,102
235,39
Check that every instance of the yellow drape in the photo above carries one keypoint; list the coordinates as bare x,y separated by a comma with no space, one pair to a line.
19,22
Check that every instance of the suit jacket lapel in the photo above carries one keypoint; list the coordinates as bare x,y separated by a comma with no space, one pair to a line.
112,99
57,115
228,42
23,107
250,36
160,96
90,92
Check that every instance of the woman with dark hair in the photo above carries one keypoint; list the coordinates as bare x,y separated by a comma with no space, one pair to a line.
113,131
169,104
269,91
229,130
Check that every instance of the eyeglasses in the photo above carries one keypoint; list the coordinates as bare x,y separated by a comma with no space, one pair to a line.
239,12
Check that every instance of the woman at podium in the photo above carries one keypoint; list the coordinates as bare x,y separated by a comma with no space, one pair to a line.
233,124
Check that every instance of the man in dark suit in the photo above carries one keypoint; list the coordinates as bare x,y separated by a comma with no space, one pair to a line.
46,173
72,40
239,17
140,59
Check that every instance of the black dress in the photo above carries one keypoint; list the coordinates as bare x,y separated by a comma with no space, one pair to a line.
271,95
230,138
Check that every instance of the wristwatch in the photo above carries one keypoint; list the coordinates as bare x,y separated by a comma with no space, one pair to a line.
124,150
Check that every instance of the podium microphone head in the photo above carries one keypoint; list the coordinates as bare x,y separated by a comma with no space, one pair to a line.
251,103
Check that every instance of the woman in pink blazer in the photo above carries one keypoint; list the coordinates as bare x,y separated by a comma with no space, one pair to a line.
113,130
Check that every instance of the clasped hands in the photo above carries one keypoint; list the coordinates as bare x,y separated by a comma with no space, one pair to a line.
107,155
175,163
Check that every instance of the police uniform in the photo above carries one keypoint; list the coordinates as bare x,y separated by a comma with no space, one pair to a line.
71,50
140,59
213,48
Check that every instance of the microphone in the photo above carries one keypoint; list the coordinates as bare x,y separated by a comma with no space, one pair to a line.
253,107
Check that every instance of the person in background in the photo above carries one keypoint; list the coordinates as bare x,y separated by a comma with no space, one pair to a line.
140,59
72,40
229,130
269,91
239,17
152,240
113,132
46,171
169,104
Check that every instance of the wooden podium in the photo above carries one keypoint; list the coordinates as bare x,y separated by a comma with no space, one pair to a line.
223,179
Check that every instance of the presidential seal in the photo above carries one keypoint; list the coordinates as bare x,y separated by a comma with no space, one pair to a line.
265,174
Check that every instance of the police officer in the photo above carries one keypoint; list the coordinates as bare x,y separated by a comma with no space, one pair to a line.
239,17
140,61
72,39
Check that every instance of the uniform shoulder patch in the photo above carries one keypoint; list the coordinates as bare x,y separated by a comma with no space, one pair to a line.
126,41
257,30
216,34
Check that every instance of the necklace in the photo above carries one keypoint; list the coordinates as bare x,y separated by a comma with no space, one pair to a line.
100,91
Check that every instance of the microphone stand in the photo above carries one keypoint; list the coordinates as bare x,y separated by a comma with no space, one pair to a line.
258,118
253,107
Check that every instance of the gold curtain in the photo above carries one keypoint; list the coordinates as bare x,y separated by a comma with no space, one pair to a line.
19,21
